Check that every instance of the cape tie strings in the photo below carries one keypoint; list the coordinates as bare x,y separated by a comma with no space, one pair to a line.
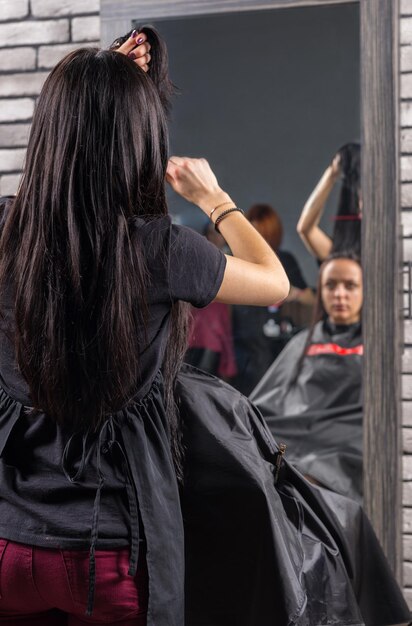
104,446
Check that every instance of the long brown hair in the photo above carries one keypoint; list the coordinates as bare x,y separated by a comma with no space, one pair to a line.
348,223
96,160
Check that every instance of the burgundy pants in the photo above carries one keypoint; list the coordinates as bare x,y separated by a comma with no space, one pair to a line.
49,587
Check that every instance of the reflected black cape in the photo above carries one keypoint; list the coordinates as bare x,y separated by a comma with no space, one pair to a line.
266,554
320,416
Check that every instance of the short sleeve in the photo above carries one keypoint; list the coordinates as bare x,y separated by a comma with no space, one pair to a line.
196,267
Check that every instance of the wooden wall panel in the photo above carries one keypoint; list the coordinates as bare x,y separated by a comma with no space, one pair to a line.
381,263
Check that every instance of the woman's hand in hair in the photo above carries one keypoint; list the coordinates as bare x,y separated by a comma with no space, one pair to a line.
194,180
335,167
137,48
254,274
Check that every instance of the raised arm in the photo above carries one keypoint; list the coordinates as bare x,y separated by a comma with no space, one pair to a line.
254,274
315,239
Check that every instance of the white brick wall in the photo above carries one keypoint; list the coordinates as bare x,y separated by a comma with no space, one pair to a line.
85,28
406,137
34,36
16,109
22,84
13,9
406,7
406,114
50,55
406,30
20,59
11,159
407,413
53,8
9,184
34,32
14,135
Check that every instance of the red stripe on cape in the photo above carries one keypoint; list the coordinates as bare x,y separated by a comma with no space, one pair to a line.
332,348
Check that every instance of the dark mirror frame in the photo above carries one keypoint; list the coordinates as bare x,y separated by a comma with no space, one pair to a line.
382,327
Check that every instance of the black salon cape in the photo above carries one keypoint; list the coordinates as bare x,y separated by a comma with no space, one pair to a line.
320,416
266,554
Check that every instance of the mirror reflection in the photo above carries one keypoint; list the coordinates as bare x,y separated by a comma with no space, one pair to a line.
280,122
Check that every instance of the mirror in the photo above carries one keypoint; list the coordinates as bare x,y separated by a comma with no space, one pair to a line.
378,106
268,97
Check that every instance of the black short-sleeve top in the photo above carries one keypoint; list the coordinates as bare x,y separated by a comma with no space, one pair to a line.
182,265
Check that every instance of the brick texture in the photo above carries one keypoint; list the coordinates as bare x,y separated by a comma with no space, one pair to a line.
34,36
406,85
406,140
19,59
406,30
14,135
13,9
34,32
406,221
406,7
406,58
16,109
406,114
50,55
53,8
9,184
11,159
85,28
407,493
22,84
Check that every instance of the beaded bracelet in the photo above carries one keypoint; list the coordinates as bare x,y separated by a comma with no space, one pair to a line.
225,214
218,207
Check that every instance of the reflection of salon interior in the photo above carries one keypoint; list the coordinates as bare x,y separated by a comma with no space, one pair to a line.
299,158
295,98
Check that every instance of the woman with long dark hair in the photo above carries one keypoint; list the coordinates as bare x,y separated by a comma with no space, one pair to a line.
311,397
346,236
92,277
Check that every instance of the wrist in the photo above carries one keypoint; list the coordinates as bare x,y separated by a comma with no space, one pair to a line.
212,200
332,175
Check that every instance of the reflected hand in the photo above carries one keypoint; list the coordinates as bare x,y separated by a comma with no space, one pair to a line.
195,181
137,48
335,167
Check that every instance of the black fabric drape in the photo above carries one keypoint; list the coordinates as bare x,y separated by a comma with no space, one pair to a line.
319,416
266,554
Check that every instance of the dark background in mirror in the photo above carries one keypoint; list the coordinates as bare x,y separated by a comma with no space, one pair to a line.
267,97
